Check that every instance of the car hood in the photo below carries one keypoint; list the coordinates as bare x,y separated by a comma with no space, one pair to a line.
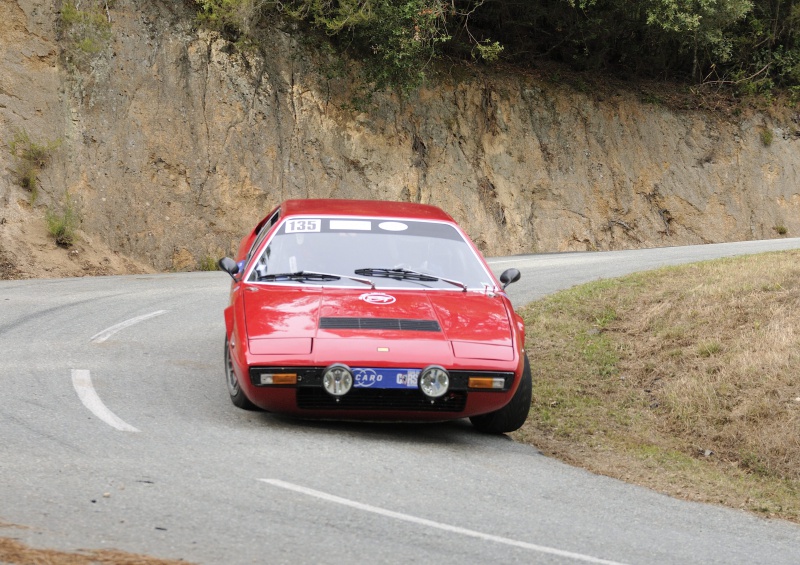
273,312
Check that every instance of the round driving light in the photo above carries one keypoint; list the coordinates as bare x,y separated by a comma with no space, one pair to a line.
337,379
434,381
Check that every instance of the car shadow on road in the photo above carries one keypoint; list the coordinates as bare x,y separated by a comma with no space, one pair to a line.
449,434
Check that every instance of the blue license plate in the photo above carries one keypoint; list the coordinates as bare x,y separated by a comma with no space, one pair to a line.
385,378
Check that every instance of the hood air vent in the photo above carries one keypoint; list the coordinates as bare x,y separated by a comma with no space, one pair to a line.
379,324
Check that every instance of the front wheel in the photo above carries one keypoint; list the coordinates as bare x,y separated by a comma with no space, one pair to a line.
511,416
234,389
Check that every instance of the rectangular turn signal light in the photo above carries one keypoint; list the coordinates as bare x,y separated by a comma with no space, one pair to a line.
278,378
487,382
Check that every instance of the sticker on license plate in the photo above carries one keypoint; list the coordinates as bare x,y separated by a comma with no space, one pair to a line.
385,378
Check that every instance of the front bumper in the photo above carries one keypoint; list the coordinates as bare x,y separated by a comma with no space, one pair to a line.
309,399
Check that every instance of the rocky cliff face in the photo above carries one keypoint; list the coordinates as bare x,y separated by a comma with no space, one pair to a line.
173,143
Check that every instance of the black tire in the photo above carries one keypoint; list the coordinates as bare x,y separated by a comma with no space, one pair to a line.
238,397
511,416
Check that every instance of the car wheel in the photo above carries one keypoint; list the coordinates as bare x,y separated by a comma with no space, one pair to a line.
511,416
237,394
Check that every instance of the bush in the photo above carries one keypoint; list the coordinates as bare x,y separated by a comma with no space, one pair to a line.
207,263
86,30
394,39
30,157
63,225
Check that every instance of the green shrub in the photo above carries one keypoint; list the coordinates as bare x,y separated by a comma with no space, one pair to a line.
489,51
30,158
207,263
395,40
86,30
766,136
63,225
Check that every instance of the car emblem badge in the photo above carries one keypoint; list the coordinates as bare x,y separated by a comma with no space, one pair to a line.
377,298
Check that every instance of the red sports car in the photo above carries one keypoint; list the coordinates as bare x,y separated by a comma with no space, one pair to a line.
367,310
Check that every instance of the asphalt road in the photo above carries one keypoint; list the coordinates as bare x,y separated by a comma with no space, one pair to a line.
116,431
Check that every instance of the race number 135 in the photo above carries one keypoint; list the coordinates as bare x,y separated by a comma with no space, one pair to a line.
299,226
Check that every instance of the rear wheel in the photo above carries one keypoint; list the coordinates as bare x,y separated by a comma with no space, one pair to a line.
511,416
234,389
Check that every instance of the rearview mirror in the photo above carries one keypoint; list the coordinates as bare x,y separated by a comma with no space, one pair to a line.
510,276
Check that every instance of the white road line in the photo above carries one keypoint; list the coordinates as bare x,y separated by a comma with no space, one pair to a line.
82,382
496,262
108,332
438,525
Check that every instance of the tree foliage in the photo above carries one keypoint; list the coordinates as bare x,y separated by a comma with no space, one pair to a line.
751,44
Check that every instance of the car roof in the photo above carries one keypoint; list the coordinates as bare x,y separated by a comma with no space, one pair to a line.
375,208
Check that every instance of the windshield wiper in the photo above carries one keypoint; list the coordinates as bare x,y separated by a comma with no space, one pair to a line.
406,274
303,276
399,274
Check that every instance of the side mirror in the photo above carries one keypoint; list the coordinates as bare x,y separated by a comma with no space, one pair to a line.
229,266
510,276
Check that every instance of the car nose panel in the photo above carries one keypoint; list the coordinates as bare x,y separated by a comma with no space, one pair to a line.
387,351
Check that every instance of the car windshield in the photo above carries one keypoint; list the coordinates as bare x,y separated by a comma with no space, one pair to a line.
390,253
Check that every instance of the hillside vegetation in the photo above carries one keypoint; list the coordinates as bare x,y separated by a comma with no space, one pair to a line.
748,45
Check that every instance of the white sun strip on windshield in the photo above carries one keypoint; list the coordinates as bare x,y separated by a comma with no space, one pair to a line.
438,525
393,226
355,225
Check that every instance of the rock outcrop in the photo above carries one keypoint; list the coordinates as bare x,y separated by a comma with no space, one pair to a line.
173,142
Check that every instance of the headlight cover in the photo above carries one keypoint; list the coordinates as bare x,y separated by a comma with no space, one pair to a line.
434,381
337,379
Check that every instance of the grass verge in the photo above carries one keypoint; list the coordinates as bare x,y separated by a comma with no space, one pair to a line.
17,553
685,380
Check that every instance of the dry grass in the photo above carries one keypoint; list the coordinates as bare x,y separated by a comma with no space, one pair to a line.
686,380
17,553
